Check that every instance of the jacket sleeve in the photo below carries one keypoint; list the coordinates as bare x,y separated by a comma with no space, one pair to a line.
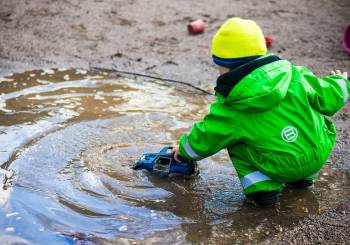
328,94
209,136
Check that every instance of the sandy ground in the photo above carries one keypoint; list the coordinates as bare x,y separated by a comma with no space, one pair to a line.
150,36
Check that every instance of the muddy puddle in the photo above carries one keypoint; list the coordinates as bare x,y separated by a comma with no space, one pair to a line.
68,139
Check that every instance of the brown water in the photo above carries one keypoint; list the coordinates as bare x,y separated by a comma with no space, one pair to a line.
68,139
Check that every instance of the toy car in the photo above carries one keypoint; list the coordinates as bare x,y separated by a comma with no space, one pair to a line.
164,164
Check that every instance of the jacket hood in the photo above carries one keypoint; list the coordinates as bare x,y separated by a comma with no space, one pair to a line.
257,86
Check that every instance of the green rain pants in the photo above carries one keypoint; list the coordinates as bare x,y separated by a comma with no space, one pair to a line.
269,172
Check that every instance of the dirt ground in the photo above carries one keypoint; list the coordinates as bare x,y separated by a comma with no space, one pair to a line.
150,36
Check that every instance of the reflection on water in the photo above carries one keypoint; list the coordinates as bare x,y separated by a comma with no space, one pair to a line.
68,139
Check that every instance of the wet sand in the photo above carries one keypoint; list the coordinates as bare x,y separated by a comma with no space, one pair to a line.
151,37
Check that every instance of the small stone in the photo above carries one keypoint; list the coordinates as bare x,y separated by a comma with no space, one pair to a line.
279,228
43,81
49,71
3,79
80,71
93,77
98,97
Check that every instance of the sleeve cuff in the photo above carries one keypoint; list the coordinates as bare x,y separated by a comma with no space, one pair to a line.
343,84
186,150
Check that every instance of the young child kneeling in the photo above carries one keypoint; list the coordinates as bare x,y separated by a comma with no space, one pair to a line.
271,116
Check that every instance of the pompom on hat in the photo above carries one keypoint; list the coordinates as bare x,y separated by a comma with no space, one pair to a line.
236,39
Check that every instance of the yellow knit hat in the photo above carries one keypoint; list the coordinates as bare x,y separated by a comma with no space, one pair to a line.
238,38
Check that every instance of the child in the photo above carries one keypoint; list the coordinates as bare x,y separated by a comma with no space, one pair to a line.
271,116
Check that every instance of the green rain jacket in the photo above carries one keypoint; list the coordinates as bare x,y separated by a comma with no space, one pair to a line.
269,109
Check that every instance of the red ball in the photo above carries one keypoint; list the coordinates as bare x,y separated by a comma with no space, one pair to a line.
268,41
196,27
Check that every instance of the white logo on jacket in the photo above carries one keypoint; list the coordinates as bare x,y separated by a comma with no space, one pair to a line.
289,134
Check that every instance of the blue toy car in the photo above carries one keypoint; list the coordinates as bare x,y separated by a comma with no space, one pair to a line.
164,164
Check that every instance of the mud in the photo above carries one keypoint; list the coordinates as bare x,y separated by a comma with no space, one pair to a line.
151,36
147,37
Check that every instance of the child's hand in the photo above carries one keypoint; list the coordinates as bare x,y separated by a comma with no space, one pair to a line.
175,152
344,74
